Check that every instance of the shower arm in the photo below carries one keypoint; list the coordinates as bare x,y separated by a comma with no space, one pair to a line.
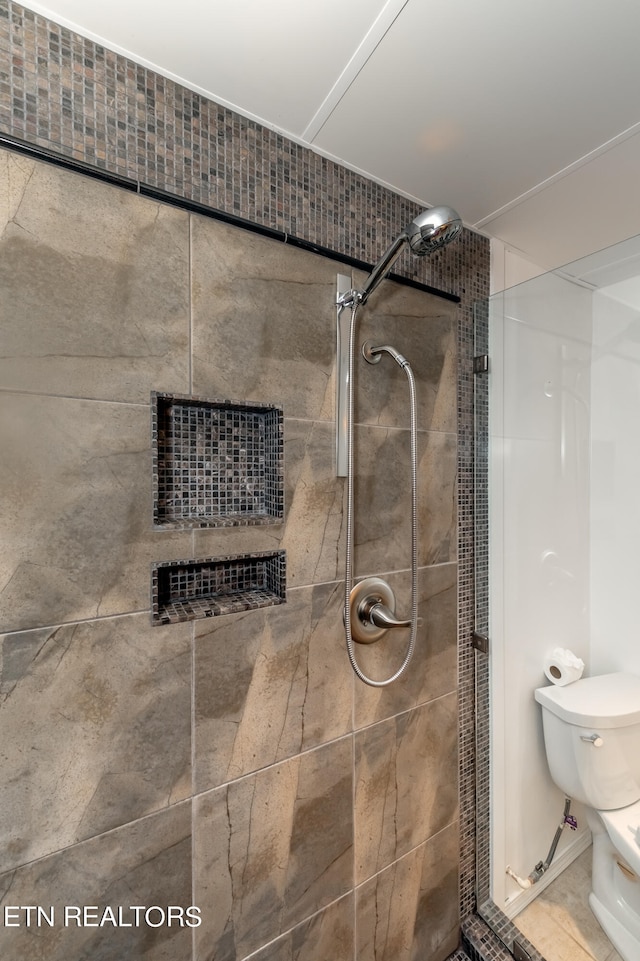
354,297
348,300
433,228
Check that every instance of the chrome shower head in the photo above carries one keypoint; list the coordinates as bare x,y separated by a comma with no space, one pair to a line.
431,229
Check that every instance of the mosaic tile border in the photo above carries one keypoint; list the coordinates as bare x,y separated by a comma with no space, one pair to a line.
476,290
71,99
187,590
216,463
481,556
488,943
62,91
481,943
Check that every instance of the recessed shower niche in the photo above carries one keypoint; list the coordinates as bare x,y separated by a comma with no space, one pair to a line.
190,589
216,463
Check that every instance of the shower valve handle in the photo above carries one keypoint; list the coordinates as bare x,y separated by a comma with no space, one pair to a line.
379,614
371,605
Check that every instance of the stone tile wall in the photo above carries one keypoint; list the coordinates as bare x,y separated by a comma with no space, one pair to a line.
106,297
303,791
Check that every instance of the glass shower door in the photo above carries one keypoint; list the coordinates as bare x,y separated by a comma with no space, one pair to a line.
557,521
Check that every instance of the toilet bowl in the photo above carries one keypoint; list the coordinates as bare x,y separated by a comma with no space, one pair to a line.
592,740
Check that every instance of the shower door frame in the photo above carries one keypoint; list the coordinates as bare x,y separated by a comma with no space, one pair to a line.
496,919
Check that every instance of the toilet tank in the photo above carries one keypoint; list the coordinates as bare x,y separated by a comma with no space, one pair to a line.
592,738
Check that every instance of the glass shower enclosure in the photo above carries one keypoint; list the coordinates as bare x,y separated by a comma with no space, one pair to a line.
557,405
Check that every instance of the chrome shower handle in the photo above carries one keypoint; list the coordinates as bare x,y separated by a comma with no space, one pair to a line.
379,614
372,605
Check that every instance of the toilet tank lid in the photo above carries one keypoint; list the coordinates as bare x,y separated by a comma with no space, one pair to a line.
608,700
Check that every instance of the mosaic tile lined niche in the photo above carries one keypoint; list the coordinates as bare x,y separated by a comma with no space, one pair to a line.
216,463
189,590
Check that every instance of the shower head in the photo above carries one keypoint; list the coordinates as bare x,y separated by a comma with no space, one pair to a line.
431,229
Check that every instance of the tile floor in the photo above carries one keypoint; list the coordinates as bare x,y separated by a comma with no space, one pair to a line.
560,922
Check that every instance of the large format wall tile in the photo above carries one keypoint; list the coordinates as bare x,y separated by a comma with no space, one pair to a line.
147,863
423,329
314,535
94,287
156,132
406,783
272,849
432,670
263,680
313,531
275,306
382,514
271,305
75,486
275,846
328,934
95,730
409,911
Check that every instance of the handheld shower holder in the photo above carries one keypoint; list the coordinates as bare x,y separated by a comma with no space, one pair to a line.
348,298
373,355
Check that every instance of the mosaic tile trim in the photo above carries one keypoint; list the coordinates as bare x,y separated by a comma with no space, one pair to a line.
474,287
188,590
484,944
67,95
481,555
481,943
216,463
61,90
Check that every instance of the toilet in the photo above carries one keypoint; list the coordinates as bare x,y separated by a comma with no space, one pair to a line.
592,740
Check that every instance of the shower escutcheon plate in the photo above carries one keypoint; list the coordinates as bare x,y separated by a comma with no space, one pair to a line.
372,605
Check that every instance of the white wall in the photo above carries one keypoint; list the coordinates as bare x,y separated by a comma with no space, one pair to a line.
615,499
565,529
539,554
510,267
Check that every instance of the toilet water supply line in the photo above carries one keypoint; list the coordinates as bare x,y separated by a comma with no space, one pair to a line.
348,574
542,866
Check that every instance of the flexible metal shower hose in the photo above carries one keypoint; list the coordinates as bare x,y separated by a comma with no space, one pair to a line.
348,577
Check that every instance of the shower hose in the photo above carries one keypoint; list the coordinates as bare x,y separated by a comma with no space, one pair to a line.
348,578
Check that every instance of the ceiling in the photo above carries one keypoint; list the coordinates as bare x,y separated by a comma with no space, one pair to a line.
525,117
